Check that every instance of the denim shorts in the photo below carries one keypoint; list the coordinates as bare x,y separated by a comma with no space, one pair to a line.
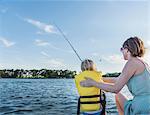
92,112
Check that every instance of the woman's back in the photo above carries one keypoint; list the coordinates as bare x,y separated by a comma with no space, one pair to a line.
139,86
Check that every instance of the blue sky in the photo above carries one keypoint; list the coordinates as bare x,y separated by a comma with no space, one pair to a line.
97,29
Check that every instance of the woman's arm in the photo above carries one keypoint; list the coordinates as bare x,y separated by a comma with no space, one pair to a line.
127,73
110,79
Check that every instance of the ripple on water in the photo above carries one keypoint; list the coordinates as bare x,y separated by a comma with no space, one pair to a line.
6,108
19,111
42,97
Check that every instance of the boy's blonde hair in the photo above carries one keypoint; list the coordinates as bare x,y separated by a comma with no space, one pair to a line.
88,64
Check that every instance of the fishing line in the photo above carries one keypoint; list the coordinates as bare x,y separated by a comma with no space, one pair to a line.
61,32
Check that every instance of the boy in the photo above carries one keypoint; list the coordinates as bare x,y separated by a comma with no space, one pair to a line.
89,69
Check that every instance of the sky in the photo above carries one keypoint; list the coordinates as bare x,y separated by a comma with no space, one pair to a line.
97,29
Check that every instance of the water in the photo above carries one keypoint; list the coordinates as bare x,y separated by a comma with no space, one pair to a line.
43,97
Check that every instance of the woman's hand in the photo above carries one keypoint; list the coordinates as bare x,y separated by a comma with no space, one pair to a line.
88,82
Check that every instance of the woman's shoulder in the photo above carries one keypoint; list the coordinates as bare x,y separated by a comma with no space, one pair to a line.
136,61
138,65
131,66
132,63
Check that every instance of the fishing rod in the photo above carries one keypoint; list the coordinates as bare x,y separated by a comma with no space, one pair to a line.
61,32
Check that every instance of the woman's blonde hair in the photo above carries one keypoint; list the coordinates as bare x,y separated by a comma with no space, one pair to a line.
135,45
88,64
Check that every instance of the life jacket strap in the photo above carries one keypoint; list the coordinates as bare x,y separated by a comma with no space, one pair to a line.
102,101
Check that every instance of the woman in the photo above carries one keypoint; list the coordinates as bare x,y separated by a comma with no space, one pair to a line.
135,74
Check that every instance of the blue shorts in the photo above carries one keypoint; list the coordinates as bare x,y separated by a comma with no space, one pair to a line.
93,112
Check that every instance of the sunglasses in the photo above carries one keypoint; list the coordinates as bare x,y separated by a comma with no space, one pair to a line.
121,49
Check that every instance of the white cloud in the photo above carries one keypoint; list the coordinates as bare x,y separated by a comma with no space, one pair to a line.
54,63
42,26
60,49
45,54
39,33
4,10
148,42
147,56
95,54
6,42
41,42
93,40
113,59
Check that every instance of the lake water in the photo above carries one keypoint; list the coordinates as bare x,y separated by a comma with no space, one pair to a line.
44,97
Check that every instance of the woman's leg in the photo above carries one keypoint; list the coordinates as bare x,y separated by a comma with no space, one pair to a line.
120,100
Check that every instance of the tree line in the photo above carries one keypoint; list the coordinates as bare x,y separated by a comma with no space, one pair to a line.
43,73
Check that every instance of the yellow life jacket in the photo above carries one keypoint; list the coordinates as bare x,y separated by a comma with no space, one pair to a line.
86,91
